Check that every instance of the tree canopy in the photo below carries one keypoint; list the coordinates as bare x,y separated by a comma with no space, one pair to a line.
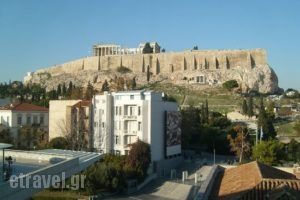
268,152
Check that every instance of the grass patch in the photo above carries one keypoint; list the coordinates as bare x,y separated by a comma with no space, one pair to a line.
285,129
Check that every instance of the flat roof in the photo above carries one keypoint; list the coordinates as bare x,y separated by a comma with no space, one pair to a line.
5,145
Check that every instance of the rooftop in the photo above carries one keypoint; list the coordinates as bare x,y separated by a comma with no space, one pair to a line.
23,107
5,145
254,180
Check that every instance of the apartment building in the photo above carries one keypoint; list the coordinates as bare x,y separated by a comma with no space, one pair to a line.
121,118
71,119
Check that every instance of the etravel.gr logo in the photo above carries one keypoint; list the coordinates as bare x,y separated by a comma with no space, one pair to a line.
47,181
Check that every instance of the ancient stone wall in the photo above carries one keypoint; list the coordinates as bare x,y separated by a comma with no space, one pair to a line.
198,67
167,62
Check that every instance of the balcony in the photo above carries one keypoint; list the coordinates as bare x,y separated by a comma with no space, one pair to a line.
129,117
129,132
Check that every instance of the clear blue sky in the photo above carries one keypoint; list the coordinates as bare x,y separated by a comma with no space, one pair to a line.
41,33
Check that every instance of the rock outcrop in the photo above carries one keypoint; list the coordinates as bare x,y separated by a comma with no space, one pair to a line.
198,68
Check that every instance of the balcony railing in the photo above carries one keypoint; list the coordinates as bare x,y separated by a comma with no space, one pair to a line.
130,117
128,132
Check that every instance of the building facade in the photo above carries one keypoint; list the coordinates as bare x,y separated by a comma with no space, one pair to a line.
71,119
122,118
21,115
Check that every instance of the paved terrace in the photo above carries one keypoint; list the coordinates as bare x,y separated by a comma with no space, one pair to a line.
43,162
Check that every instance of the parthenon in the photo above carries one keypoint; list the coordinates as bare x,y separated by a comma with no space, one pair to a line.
114,49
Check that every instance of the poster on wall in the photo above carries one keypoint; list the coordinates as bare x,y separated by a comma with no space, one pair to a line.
173,133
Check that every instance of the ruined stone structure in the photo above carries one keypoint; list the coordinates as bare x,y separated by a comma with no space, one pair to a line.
206,67
113,49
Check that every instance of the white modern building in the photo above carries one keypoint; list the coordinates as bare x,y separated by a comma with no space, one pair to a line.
123,117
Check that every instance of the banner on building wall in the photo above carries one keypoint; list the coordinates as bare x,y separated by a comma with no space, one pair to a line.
173,133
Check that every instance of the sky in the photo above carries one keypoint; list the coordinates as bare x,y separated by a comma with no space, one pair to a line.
35,34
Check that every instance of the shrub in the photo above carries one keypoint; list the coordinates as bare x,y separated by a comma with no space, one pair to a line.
123,70
229,85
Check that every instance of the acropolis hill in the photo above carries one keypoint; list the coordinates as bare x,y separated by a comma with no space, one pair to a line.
194,67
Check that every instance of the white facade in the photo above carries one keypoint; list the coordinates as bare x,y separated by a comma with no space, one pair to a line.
15,116
123,117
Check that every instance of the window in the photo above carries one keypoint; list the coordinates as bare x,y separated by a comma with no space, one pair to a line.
117,140
42,119
139,126
35,119
131,97
139,110
2,120
103,124
19,120
117,110
7,120
120,110
28,119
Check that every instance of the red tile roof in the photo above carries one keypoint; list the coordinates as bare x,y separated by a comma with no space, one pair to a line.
254,180
23,107
83,103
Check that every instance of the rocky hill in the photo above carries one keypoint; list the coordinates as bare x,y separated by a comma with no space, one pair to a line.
198,69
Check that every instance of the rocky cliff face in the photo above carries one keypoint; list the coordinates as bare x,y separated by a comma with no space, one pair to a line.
262,79
198,69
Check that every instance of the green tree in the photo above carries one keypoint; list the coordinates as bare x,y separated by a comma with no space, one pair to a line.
294,150
5,135
265,122
59,91
147,48
268,152
229,85
244,107
190,126
270,110
148,74
107,173
64,90
58,143
250,111
89,93
76,93
70,88
133,84
139,158
206,111
123,70
105,86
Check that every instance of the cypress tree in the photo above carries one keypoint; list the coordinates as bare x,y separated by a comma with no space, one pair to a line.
250,107
244,107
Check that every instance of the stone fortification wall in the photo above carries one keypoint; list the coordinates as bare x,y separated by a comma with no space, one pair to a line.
167,62
197,67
